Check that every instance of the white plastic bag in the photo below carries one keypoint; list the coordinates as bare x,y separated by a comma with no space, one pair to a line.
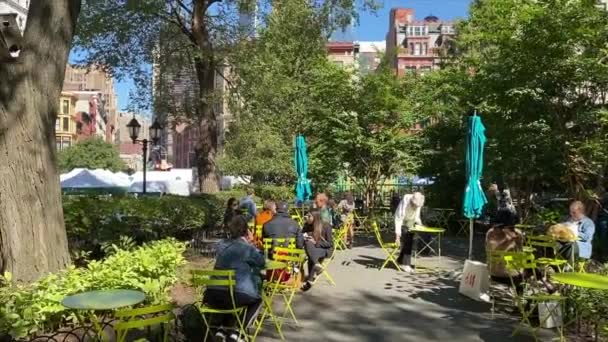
474,282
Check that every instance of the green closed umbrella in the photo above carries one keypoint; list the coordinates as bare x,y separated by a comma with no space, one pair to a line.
303,191
474,197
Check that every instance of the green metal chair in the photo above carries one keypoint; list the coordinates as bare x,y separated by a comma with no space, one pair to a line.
220,278
270,243
528,303
295,260
146,317
544,243
390,248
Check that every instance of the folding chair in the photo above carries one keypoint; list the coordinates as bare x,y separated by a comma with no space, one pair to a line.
324,265
494,259
542,244
339,235
144,318
390,248
270,243
220,278
528,303
295,259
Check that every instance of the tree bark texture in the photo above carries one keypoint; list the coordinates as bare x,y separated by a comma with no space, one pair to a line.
33,239
207,144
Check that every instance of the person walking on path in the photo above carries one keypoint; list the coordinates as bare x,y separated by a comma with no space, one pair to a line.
408,214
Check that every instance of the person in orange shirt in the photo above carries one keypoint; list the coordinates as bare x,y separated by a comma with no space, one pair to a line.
267,213
270,209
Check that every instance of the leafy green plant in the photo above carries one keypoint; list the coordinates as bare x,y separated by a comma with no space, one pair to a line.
26,310
125,243
591,305
93,222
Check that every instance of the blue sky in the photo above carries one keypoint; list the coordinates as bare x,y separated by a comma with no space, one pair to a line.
371,27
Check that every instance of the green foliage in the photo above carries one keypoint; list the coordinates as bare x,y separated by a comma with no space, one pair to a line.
92,153
277,193
93,222
30,309
591,305
536,72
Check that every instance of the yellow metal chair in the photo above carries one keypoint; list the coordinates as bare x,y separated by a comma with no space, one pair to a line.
270,243
528,303
259,228
496,259
220,278
544,243
339,235
144,318
324,265
390,248
295,259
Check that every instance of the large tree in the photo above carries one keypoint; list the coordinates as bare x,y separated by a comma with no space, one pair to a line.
32,234
187,41
536,71
92,153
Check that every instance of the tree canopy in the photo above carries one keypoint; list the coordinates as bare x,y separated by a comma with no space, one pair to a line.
91,153
536,71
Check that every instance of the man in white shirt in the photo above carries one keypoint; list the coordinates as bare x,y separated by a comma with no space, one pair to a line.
408,213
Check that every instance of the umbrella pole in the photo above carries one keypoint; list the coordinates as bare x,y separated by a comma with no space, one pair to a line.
470,239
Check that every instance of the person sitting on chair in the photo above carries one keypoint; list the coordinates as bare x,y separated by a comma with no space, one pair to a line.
503,237
282,226
583,228
318,245
237,253
408,213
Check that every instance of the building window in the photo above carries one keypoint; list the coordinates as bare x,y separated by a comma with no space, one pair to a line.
65,107
417,49
66,124
66,142
410,70
57,125
416,30
424,49
411,48
58,144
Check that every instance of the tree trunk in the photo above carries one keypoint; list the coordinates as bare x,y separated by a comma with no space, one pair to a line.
207,144
206,150
33,239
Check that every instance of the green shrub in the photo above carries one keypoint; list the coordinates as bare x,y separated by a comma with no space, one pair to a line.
30,309
275,192
96,221
591,305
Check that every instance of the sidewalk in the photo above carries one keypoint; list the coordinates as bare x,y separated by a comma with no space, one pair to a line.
372,305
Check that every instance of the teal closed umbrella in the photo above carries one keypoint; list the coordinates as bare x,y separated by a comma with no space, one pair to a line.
474,197
303,191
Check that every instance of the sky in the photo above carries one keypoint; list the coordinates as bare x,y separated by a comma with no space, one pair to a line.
372,26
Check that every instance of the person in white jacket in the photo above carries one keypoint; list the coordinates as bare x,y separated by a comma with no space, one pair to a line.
408,213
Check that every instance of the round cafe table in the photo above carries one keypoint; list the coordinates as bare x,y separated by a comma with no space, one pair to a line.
101,300
586,280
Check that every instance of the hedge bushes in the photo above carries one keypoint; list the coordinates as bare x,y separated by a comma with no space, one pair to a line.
92,221
30,309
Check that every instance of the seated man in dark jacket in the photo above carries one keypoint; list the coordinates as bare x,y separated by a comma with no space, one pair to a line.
282,226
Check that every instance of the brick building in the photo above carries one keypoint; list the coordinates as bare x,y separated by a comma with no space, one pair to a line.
414,45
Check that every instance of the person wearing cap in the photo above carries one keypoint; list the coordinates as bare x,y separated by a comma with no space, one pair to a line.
408,214
283,226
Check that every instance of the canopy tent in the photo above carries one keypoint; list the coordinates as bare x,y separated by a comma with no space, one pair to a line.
474,197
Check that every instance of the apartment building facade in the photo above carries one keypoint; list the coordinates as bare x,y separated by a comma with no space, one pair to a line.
413,46
65,124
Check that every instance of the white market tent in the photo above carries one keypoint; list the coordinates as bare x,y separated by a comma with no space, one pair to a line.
176,182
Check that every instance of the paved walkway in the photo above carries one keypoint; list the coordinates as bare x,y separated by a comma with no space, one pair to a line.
372,305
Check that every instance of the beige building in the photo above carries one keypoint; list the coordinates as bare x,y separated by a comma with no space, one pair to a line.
122,132
82,79
65,124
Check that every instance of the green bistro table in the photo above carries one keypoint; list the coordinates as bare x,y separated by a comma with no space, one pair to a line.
586,280
101,300
435,234
267,295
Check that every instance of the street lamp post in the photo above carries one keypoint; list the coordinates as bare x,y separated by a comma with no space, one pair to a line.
155,132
